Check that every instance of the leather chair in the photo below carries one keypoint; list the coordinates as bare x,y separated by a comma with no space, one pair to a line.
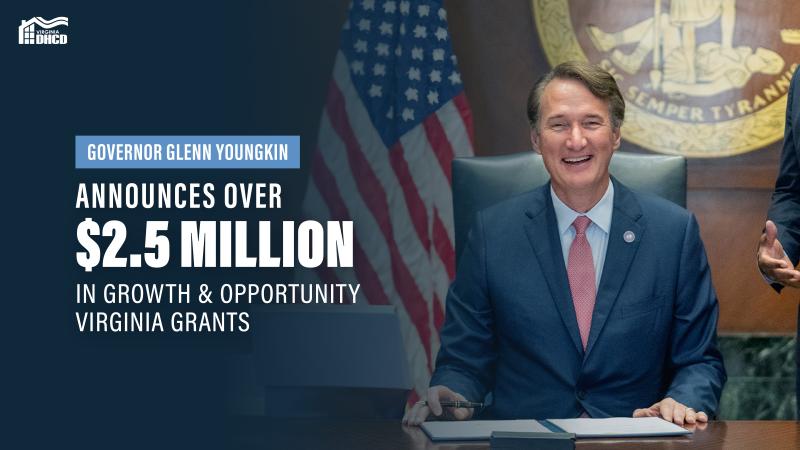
480,182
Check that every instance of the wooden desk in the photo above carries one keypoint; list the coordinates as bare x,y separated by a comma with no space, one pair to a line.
382,434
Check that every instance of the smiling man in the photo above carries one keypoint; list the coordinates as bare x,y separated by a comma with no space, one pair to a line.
582,297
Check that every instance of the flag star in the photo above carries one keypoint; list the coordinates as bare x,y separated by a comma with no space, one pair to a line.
364,25
375,91
411,95
357,67
368,5
442,14
390,113
420,32
405,7
398,51
386,28
413,74
379,70
402,29
360,46
382,49
454,59
408,114
346,24
455,78
433,97
438,54
390,7
417,53
423,10
441,34
435,76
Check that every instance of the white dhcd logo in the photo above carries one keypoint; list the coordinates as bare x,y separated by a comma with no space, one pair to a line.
38,30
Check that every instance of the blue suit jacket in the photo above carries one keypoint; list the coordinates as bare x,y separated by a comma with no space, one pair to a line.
510,327
785,208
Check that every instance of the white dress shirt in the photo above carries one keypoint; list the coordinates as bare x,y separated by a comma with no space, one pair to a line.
596,234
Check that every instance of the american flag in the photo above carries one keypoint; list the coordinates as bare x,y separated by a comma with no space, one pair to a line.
395,117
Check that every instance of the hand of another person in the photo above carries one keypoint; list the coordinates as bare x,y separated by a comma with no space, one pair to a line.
772,260
672,411
420,411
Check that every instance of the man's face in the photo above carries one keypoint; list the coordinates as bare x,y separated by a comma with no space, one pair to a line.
576,139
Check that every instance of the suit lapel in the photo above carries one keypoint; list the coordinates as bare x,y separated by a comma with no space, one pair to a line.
542,232
627,217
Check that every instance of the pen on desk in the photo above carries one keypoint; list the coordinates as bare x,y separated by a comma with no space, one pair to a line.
455,404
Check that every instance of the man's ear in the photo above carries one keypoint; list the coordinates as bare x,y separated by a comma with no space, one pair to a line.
616,135
535,140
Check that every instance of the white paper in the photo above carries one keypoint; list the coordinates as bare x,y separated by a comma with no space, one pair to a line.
619,427
477,429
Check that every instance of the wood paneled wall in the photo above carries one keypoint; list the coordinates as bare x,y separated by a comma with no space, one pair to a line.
500,58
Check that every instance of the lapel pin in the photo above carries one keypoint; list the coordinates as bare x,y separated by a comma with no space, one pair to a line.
629,236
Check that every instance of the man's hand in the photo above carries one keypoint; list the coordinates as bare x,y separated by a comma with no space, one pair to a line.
773,262
420,411
672,411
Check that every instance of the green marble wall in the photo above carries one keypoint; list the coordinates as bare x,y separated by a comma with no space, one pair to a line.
761,377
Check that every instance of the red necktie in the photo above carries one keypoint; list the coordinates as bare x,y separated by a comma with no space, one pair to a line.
580,271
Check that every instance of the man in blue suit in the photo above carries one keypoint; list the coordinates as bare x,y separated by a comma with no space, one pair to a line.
582,297
779,248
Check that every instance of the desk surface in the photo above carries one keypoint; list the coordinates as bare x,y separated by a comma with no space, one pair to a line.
381,434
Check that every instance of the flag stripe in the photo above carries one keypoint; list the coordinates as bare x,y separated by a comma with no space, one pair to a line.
439,144
438,313
416,207
456,129
443,245
413,397
465,112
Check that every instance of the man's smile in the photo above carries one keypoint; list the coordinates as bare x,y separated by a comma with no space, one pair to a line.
577,160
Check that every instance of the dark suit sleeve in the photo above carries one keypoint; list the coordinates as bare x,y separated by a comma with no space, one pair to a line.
785,208
466,358
698,373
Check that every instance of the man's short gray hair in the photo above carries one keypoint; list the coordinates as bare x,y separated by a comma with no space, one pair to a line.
597,80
